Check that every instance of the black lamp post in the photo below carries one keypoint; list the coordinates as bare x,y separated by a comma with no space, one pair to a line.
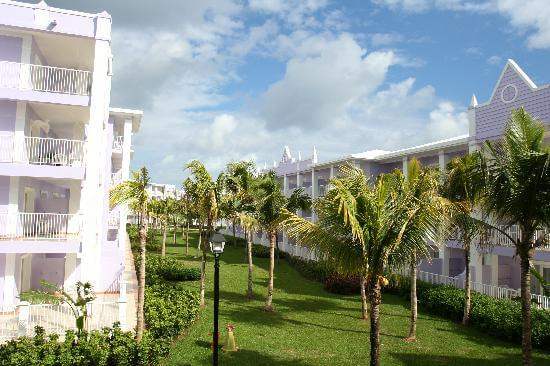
217,242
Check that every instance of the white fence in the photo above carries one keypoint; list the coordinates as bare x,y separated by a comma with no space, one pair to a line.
57,318
40,226
41,151
490,290
22,76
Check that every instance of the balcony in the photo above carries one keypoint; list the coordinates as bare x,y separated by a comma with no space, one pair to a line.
116,178
40,226
27,79
42,157
514,232
113,221
118,144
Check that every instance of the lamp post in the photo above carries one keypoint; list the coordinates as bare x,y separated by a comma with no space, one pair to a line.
217,242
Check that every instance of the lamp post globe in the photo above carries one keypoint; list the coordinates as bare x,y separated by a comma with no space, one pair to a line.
217,244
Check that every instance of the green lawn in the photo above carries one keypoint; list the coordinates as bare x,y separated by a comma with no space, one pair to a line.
313,327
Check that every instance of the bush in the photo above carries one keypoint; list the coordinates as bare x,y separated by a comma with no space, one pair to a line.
110,346
498,317
260,251
312,270
158,269
343,284
169,309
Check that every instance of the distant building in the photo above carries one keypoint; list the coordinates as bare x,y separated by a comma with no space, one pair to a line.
497,267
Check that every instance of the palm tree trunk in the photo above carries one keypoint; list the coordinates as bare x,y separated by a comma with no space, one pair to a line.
269,300
364,303
234,235
140,326
414,300
526,345
203,267
375,298
187,239
467,291
175,229
249,292
163,250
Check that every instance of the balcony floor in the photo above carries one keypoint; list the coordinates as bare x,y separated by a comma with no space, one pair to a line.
41,171
40,246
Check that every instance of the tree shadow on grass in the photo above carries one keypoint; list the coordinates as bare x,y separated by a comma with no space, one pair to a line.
417,359
244,357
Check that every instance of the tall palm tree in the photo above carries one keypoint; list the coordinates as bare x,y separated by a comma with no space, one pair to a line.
462,186
206,194
517,192
372,219
251,225
421,186
134,192
270,205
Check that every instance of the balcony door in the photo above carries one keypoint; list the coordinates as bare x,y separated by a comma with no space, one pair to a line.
29,200
25,277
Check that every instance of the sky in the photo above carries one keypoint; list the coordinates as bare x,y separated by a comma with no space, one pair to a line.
226,80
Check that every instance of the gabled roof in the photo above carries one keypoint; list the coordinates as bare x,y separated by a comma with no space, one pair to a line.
515,67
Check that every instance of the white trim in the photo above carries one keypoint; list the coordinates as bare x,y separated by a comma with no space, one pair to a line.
526,79
54,10
513,86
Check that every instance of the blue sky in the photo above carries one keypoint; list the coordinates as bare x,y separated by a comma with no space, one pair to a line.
223,80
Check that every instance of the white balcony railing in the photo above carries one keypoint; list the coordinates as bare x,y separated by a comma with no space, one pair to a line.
116,178
118,143
39,226
21,76
496,237
41,151
113,221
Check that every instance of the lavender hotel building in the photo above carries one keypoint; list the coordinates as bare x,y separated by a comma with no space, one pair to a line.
61,148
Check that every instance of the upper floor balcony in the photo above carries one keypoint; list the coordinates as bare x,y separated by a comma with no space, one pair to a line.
42,157
48,84
118,144
45,229
116,178
511,234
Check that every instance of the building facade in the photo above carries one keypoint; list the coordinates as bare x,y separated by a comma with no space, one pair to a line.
61,148
498,267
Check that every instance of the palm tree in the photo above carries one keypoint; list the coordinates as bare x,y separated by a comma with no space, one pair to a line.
376,221
421,186
270,204
205,193
251,225
134,192
462,187
517,192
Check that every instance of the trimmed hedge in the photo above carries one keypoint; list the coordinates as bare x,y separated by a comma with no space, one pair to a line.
169,309
159,269
108,347
498,317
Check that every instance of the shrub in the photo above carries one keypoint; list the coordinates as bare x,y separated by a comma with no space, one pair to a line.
312,270
169,309
158,269
342,284
110,346
498,317
260,251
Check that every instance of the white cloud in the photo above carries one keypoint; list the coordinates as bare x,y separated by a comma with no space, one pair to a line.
476,51
446,121
530,16
168,159
385,39
494,60
322,81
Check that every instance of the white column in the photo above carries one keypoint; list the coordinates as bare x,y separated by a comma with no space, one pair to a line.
93,187
313,193
476,261
443,160
331,171
285,185
444,254
70,271
10,287
126,149
405,166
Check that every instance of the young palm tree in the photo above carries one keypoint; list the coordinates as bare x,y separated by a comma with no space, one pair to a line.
251,225
462,187
205,193
134,192
517,192
421,186
270,204
378,222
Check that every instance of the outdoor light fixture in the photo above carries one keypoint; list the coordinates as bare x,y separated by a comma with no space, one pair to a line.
217,242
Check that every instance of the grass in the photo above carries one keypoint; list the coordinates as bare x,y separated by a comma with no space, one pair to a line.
312,327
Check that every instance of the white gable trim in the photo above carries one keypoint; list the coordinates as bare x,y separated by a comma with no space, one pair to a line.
526,79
